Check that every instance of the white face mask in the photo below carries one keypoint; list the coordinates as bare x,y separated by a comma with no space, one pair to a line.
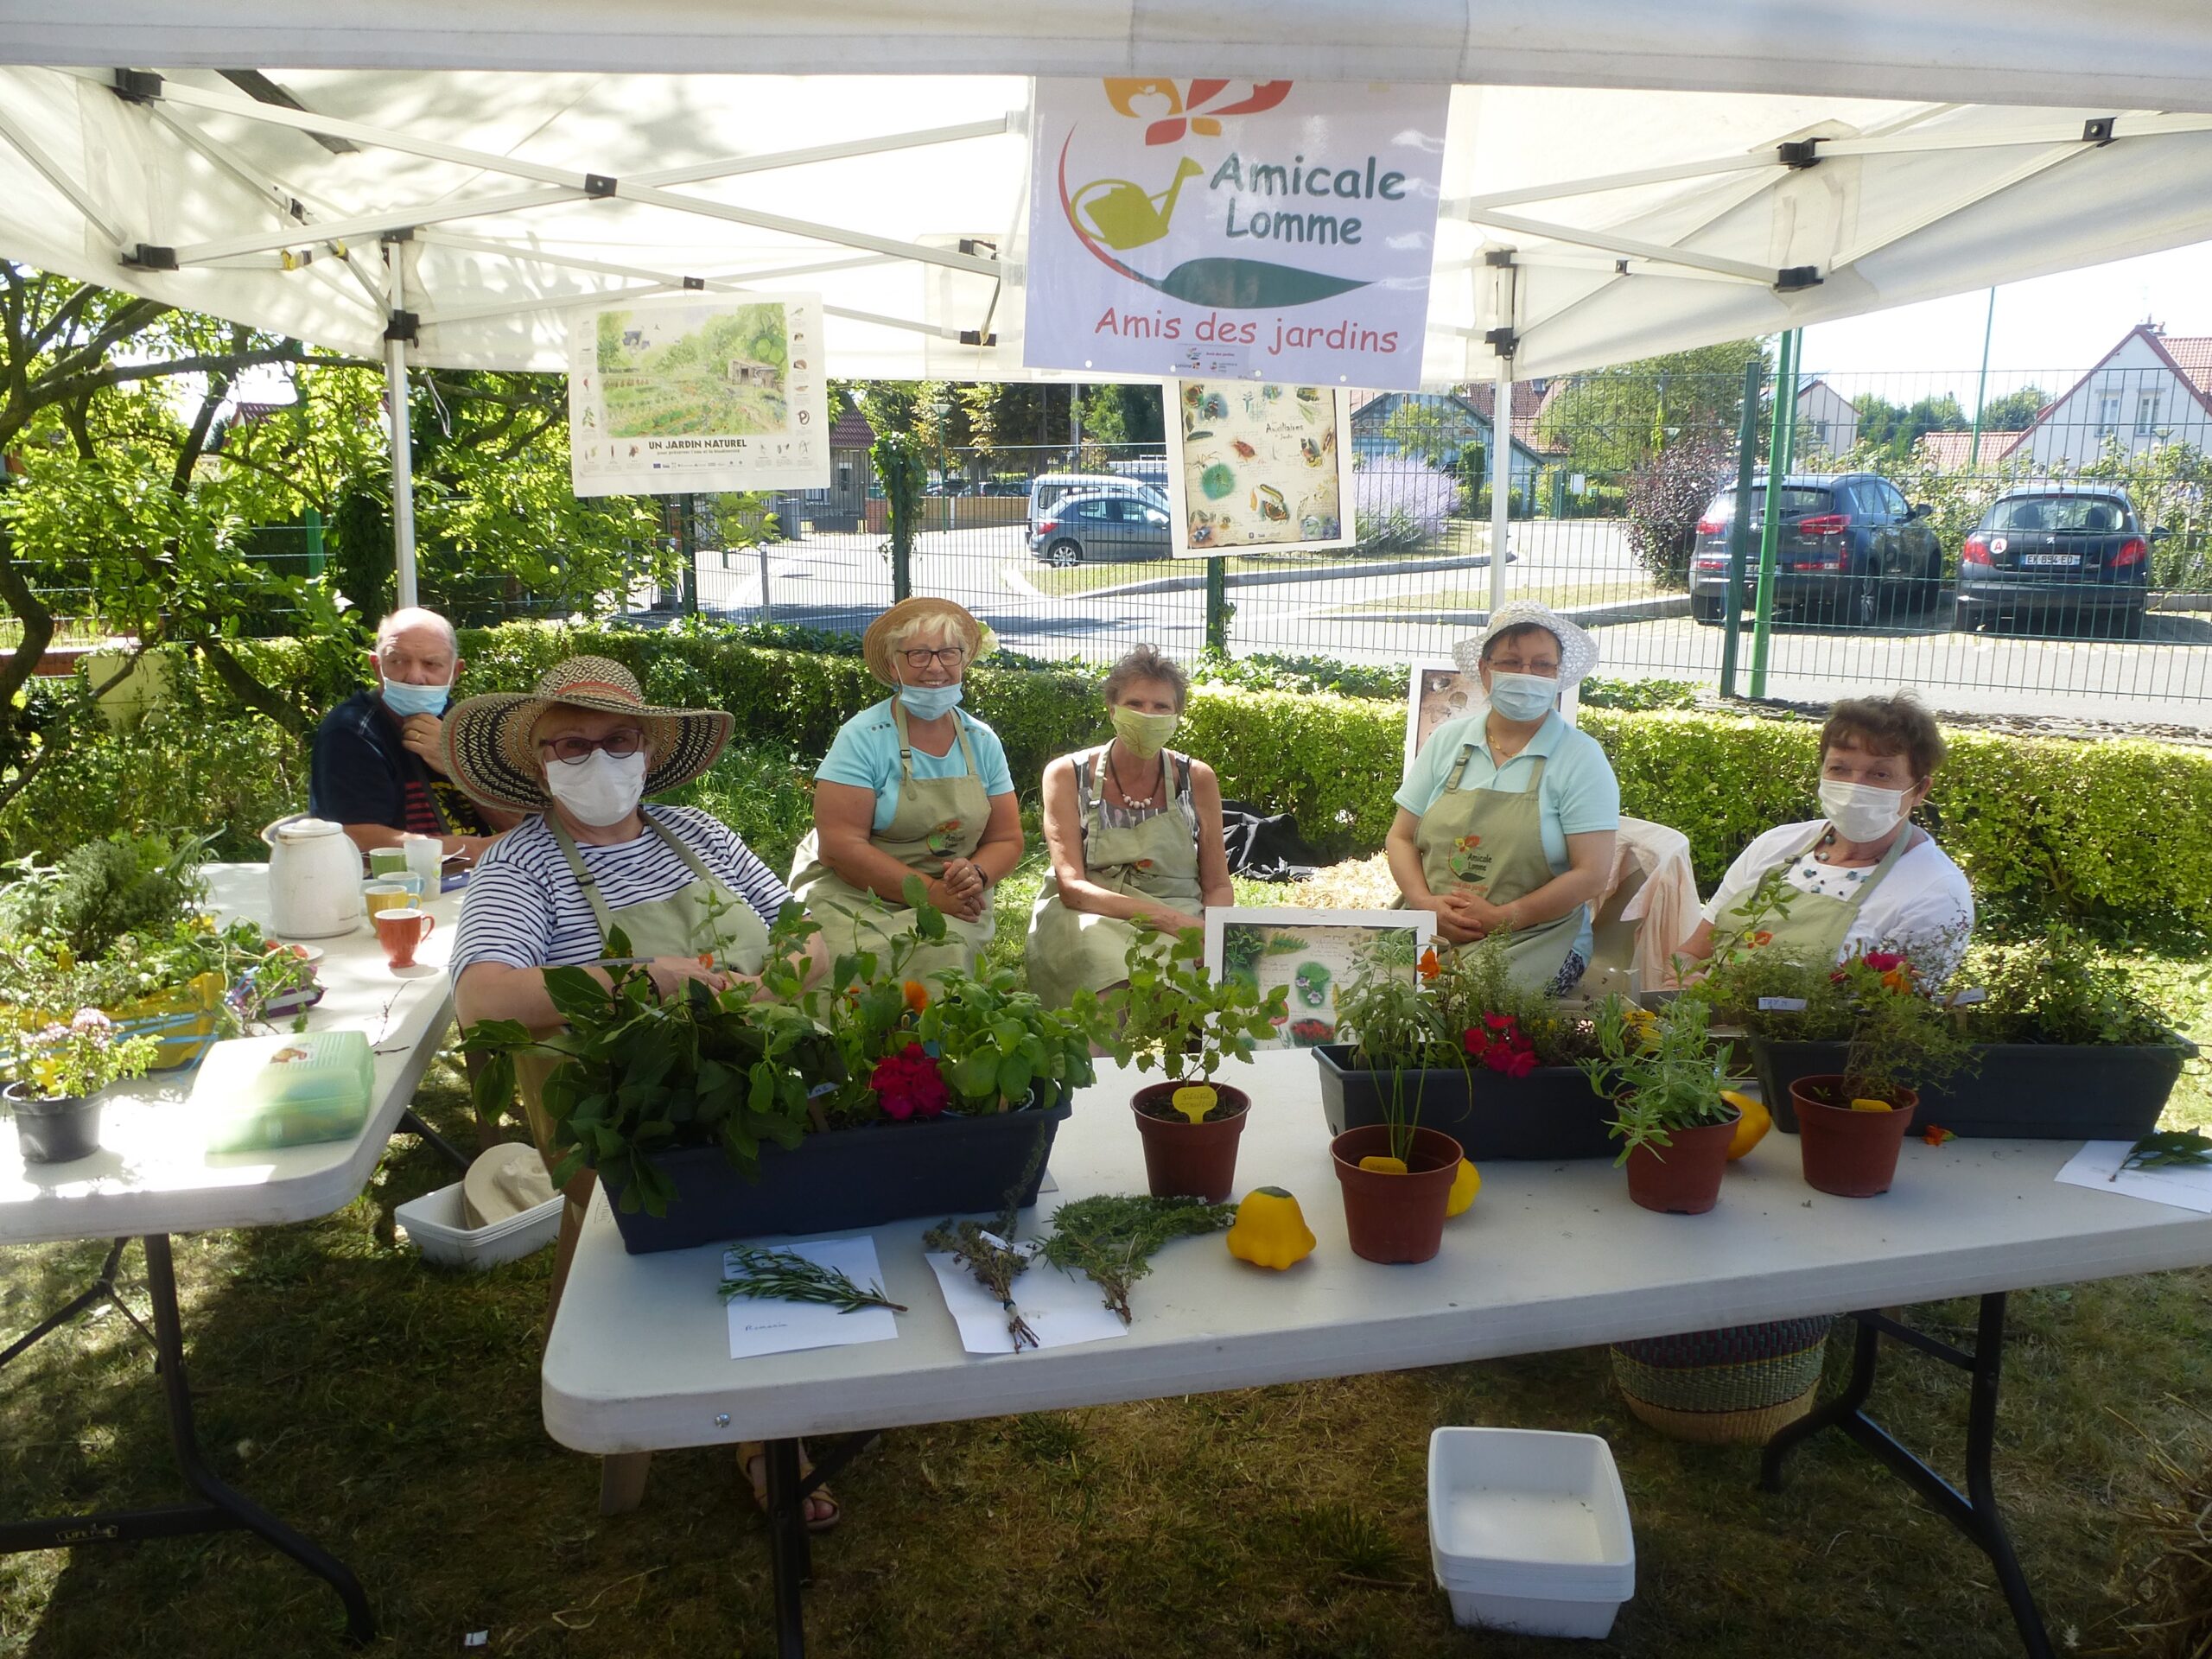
1861,813
602,790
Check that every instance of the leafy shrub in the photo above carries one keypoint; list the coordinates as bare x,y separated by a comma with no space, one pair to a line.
2059,988
105,889
1665,500
765,795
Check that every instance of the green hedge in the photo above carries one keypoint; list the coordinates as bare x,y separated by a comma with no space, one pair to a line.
2115,827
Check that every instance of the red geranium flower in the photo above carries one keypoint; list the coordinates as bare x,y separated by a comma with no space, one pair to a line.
1882,961
908,1084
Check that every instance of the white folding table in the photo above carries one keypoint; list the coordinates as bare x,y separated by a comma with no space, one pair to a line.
1552,1255
154,1176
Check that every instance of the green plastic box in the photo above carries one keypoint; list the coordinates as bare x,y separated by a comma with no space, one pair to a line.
259,1093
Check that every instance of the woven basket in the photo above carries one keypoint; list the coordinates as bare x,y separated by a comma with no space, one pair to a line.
1725,1387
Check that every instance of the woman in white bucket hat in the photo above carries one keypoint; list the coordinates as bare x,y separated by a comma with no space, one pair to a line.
1506,817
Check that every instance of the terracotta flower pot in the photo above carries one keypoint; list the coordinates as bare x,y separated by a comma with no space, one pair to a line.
1850,1154
1684,1178
1391,1217
1183,1160
55,1131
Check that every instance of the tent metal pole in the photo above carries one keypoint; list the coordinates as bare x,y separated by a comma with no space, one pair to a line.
403,446
1981,385
1501,477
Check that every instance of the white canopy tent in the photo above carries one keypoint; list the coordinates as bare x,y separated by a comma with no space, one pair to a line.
1661,177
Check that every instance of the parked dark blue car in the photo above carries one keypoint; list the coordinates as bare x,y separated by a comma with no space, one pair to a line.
1848,550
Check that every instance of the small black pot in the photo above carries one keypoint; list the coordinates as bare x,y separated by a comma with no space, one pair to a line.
1550,1113
55,1131
2021,1091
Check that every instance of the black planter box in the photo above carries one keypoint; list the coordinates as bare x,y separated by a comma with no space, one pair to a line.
2023,1091
846,1179
1552,1113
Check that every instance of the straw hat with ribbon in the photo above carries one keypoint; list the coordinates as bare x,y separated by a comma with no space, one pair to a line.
489,752
954,621
1578,652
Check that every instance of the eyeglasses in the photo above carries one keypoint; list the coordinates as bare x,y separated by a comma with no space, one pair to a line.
950,656
574,750
1506,665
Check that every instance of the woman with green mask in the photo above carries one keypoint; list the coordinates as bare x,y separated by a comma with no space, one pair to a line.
1134,830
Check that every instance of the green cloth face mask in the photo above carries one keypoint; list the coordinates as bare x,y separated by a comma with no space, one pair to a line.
1145,735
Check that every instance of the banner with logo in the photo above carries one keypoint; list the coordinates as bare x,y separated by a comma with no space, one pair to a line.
669,396
1273,230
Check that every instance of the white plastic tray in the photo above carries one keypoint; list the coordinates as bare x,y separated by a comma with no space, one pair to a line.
434,1222
1528,1530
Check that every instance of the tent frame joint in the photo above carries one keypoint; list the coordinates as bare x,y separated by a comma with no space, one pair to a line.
1503,341
137,86
1798,154
1795,279
600,186
2099,130
694,284
405,326
977,337
149,256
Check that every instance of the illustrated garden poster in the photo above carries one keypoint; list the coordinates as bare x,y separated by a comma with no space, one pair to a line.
1258,467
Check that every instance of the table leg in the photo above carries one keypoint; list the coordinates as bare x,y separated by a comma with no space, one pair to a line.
787,1546
410,1122
1975,1512
102,1289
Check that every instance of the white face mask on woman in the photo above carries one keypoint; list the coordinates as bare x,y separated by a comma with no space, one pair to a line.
599,791
1861,813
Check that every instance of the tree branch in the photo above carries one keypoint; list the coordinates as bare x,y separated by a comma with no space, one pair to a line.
48,390
250,691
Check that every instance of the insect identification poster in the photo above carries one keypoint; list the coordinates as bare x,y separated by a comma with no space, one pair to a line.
671,395
1243,229
1310,952
1258,466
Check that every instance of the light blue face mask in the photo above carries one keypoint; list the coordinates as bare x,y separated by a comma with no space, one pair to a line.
404,700
1522,697
928,702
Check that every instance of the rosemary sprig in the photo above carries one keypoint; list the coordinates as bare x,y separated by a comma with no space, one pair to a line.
1111,1239
785,1276
2175,1149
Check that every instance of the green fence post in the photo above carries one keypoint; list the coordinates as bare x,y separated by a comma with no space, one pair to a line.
311,522
1740,527
1777,468
687,541
1217,606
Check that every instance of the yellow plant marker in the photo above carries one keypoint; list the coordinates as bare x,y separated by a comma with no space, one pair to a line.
1382,1165
1862,1104
1194,1100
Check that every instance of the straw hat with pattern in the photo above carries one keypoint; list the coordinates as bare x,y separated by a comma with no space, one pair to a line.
1578,652
956,622
489,754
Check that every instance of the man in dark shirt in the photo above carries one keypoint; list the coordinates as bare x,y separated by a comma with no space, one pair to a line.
377,767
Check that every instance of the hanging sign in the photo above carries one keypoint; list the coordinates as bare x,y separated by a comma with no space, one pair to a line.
1258,466
667,396
1273,230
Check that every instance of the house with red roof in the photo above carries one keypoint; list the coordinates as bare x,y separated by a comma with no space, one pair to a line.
2153,388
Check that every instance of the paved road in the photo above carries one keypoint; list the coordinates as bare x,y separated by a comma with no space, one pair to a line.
840,582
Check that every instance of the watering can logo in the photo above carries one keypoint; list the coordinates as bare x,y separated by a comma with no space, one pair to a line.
1123,216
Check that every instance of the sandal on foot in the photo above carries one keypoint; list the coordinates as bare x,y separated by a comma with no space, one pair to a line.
822,1511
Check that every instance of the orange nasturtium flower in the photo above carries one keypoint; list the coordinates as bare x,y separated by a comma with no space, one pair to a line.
918,995
1430,968
1934,1135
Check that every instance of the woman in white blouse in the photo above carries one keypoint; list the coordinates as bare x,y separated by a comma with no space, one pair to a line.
1865,876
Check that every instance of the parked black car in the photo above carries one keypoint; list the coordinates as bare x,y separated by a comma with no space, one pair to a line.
2068,553
1849,551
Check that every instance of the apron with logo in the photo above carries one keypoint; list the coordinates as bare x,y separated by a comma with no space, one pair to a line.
701,916
1815,928
1154,858
936,819
1491,843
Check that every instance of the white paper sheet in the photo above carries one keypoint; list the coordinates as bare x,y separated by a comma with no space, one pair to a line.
1061,1310
2187,1188
766,1326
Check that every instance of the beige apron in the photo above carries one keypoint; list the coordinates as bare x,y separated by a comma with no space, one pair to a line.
1491,843
1156,858
937,819
1813,930
703,917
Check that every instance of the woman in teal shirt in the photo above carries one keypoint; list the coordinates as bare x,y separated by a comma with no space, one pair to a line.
1506,817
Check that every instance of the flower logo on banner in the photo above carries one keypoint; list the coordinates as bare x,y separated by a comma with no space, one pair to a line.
1184,104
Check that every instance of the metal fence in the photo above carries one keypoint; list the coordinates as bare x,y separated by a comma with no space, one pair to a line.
2056,562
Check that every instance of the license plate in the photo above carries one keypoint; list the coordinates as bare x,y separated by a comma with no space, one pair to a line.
2050,558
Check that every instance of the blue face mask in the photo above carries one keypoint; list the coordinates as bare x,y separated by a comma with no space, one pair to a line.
404,700
1522,697
928,702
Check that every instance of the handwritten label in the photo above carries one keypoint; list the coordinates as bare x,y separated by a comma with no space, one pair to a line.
1781,1005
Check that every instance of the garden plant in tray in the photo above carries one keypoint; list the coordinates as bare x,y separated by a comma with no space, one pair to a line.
1672,1118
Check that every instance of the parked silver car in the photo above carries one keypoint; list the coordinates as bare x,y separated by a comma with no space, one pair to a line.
1100,527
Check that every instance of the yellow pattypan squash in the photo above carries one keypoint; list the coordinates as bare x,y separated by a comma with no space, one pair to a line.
1464,1186
1270,1229
1751,1128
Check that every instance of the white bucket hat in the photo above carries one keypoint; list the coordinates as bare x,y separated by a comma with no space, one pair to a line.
1578,652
